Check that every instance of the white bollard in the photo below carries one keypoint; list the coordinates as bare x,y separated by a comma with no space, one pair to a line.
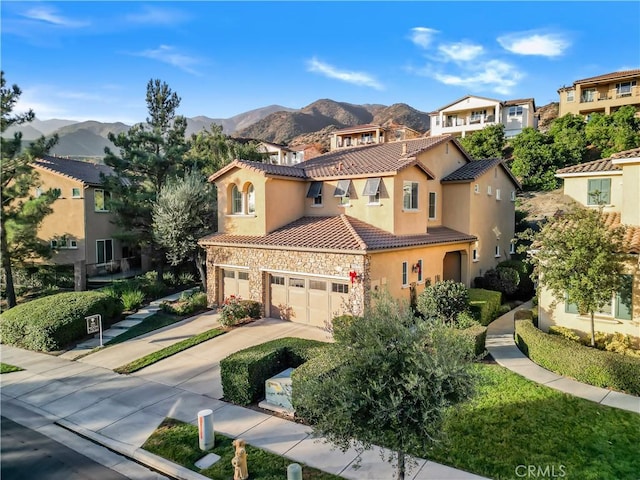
294,472
206,435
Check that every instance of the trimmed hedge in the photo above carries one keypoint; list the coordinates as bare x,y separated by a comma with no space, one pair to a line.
245,372
484,304
53,322
585,364
478,335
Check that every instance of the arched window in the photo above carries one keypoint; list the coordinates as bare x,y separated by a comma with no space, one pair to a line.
251,200
236,200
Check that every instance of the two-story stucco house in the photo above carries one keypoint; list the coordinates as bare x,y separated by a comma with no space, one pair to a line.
601,94
470,114
80,228
370,134
312,240
615,183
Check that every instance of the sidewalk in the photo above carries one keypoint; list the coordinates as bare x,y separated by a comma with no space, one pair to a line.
121,411
501,345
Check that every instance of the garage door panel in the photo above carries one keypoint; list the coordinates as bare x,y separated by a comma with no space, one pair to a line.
318,302
298,299
278,295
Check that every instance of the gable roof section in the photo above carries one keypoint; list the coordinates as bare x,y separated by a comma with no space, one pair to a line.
475,169
520,101
603,165
295,172
461,99
339,233
633,153
631,238
609,76
85,172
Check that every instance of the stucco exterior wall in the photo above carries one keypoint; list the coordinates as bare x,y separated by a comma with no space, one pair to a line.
631,198
549,314
285,202
578,189
456,206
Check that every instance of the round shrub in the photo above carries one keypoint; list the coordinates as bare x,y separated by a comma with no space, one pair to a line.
53,322
232,311
443,300
503,280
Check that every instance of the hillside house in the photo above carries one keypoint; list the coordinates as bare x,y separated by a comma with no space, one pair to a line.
277,154
601,94
315,239
370,134
614,181
80,230
470,114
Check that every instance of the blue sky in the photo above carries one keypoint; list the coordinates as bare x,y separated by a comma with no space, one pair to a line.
92,60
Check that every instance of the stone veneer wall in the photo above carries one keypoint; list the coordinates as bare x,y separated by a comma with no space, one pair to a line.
302,262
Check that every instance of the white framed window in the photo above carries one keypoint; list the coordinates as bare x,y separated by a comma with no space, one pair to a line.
620,306
432,205
515,111
315,192
588,95
599,191
342,193
340,288
410,195
64,242
236,200
513,195
438,121
405,274
498,194
251,200
476,188
623,89
489,191
75,193
104,251
372,190
101,198
474,255
571,95
497,251
512,246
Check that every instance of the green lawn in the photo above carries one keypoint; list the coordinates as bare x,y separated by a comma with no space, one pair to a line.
178,442
149,324
6,368
154,357
513,421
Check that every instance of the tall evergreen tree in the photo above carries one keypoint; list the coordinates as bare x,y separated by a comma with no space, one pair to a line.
22,209
150,154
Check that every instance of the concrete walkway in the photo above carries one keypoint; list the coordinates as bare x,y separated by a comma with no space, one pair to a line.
121,411
501,345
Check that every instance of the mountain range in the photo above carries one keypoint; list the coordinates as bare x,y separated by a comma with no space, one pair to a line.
275,123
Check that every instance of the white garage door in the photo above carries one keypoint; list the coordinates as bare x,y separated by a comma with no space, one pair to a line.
235,282
310,300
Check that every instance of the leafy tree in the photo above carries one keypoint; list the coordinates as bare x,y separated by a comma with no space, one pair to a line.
211,150
569,140
184,211
22,210
486,143
578,259
392,381
616,132
150,154
443,300
534,159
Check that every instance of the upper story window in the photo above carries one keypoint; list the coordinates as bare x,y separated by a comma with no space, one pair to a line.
315,192
102,198
588,95
372,190
438,121
498,194
243,202
571,95
599,191
432,205
236,200
477,115
410,195
623,89
476,188
366,138
75,193
515,111
251,199
405,274
513,195
342,192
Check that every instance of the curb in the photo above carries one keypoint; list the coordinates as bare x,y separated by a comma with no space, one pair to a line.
138,454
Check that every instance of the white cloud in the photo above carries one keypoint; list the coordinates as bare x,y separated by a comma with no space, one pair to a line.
422,36
49,15
156,16
168,54
460,51
532,43
356,78
495,75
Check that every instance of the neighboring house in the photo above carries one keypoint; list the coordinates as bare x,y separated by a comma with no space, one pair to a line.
615,182
277,154
370,134
470,114
312,240
80,228
600,94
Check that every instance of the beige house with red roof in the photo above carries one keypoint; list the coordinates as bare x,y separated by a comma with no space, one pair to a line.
601,94
471,113
312,240
615,182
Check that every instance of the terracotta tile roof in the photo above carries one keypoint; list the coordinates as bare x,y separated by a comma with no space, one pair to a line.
633,153
359,128
294,171
519,101
336,233
602,165
610,76
476,168
631,238
86,172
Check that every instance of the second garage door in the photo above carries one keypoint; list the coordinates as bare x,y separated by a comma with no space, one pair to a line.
309,300
235,282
